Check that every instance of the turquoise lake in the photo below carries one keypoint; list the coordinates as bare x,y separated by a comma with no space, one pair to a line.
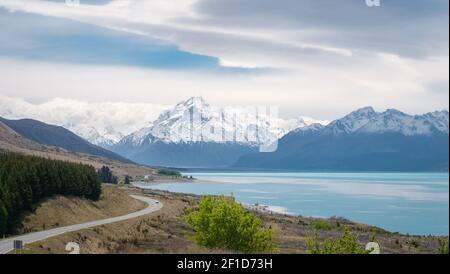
414,203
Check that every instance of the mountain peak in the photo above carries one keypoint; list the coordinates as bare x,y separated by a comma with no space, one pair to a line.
366,120
193,102
365,111
217,124
393,111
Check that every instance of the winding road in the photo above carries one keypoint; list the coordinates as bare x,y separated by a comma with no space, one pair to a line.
7,245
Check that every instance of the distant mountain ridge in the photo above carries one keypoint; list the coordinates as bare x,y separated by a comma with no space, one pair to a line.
215,138
367,120
56,136
101,123
363,140
107,123
178,125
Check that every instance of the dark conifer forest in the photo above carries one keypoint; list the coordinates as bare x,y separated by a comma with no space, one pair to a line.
26,180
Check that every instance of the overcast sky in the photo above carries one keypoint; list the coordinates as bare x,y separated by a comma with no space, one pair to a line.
319,58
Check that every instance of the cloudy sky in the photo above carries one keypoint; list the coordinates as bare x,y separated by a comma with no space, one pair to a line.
319,58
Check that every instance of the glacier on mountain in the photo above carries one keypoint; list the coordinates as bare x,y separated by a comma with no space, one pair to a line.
194,120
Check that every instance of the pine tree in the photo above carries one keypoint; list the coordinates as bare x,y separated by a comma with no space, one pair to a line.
3,219
25,180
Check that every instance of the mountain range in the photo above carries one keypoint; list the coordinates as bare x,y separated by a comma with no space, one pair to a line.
11,141
364,140
57,136
100,123
194,134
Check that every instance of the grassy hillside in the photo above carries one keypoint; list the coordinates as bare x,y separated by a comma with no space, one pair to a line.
63,211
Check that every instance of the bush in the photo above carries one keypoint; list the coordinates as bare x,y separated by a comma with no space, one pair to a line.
443,247
323,225
347,244
221,222
167,172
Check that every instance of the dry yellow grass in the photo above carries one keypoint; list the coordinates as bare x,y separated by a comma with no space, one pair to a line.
165,231
62,211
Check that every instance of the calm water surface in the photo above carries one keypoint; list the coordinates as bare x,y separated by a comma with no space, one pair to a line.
415,203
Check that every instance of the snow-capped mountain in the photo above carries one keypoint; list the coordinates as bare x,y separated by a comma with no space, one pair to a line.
194,120
101,124
364,140
101,136
367,120
196,134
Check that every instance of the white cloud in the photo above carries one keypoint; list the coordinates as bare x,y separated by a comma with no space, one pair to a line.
99,122
387,82
326,68
265,33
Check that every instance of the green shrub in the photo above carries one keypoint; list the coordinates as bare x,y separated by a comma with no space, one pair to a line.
168,172
323,225
443,247
222,223
347,244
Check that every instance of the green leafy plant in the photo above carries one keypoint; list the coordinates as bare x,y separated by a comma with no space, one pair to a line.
220,222
323,225
346,244
443,247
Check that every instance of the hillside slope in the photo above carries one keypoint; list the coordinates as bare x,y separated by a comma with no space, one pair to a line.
58,136
11,141
61,211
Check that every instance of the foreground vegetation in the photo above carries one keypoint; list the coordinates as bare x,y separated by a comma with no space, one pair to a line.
220,222
26,180
347,244
166,231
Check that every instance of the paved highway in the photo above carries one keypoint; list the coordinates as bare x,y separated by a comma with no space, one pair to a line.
7,245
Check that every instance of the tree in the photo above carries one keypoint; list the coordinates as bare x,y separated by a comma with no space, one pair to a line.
127,180
106,176
167,172
221,222
3,219
25,180
347,244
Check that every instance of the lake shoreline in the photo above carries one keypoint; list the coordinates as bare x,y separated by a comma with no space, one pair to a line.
292,231
353,196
